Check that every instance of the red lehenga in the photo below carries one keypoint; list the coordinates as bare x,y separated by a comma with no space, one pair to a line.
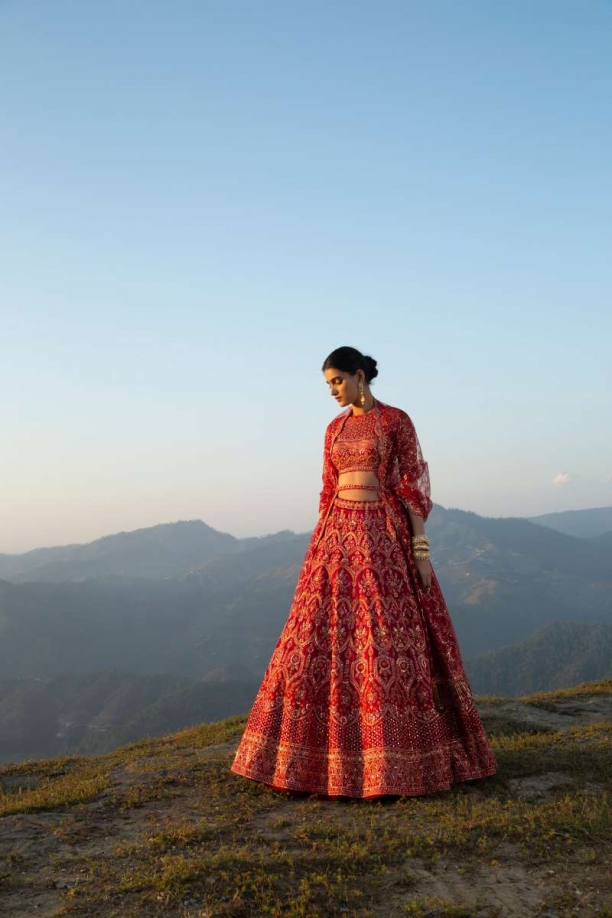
365,694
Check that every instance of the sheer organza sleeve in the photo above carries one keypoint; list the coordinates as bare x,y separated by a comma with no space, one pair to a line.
329,475
413,487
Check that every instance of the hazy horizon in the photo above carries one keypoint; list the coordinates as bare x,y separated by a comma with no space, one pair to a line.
103,535
201,202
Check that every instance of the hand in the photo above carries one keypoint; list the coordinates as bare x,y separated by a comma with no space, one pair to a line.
424,569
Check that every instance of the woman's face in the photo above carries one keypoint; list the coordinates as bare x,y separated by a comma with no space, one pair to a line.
344,387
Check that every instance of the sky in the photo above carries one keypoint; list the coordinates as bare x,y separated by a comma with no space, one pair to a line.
199,201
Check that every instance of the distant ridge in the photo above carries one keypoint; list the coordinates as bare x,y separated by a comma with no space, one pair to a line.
155,551
557,655
582,523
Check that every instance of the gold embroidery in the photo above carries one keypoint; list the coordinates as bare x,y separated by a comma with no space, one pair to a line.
364,695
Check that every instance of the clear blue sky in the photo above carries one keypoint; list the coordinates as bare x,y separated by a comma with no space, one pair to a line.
200,200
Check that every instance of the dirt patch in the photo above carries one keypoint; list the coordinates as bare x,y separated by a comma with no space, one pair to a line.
535,787
504,888
562,714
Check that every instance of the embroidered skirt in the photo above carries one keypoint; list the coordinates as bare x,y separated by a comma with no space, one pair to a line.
365,694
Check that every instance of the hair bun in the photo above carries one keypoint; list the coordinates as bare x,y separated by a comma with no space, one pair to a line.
349,360
370,367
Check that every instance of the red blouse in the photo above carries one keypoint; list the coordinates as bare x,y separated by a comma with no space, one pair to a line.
356,448
402,471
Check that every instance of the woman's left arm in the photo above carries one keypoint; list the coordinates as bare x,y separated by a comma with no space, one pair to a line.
417,523
414,488
423,565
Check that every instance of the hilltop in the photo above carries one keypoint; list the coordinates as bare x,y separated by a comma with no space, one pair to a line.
161,827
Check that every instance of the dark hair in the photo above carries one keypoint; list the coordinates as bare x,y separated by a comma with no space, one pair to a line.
349,360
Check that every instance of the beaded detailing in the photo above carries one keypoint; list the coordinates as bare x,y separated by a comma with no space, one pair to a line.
356,448
350,504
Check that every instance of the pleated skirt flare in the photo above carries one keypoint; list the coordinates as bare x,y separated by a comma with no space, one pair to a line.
365,694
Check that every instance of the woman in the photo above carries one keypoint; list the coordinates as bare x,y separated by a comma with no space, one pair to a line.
365,694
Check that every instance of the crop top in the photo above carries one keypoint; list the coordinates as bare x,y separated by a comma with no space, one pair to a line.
355,449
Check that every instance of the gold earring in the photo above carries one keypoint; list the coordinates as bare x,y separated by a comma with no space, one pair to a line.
361,395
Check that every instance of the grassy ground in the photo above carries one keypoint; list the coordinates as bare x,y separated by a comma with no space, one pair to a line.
163,828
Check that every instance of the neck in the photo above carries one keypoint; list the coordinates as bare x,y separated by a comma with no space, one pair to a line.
363,409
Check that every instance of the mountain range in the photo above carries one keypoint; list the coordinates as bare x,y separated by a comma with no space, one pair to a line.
137,631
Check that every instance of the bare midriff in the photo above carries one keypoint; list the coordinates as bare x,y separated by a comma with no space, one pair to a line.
358,478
